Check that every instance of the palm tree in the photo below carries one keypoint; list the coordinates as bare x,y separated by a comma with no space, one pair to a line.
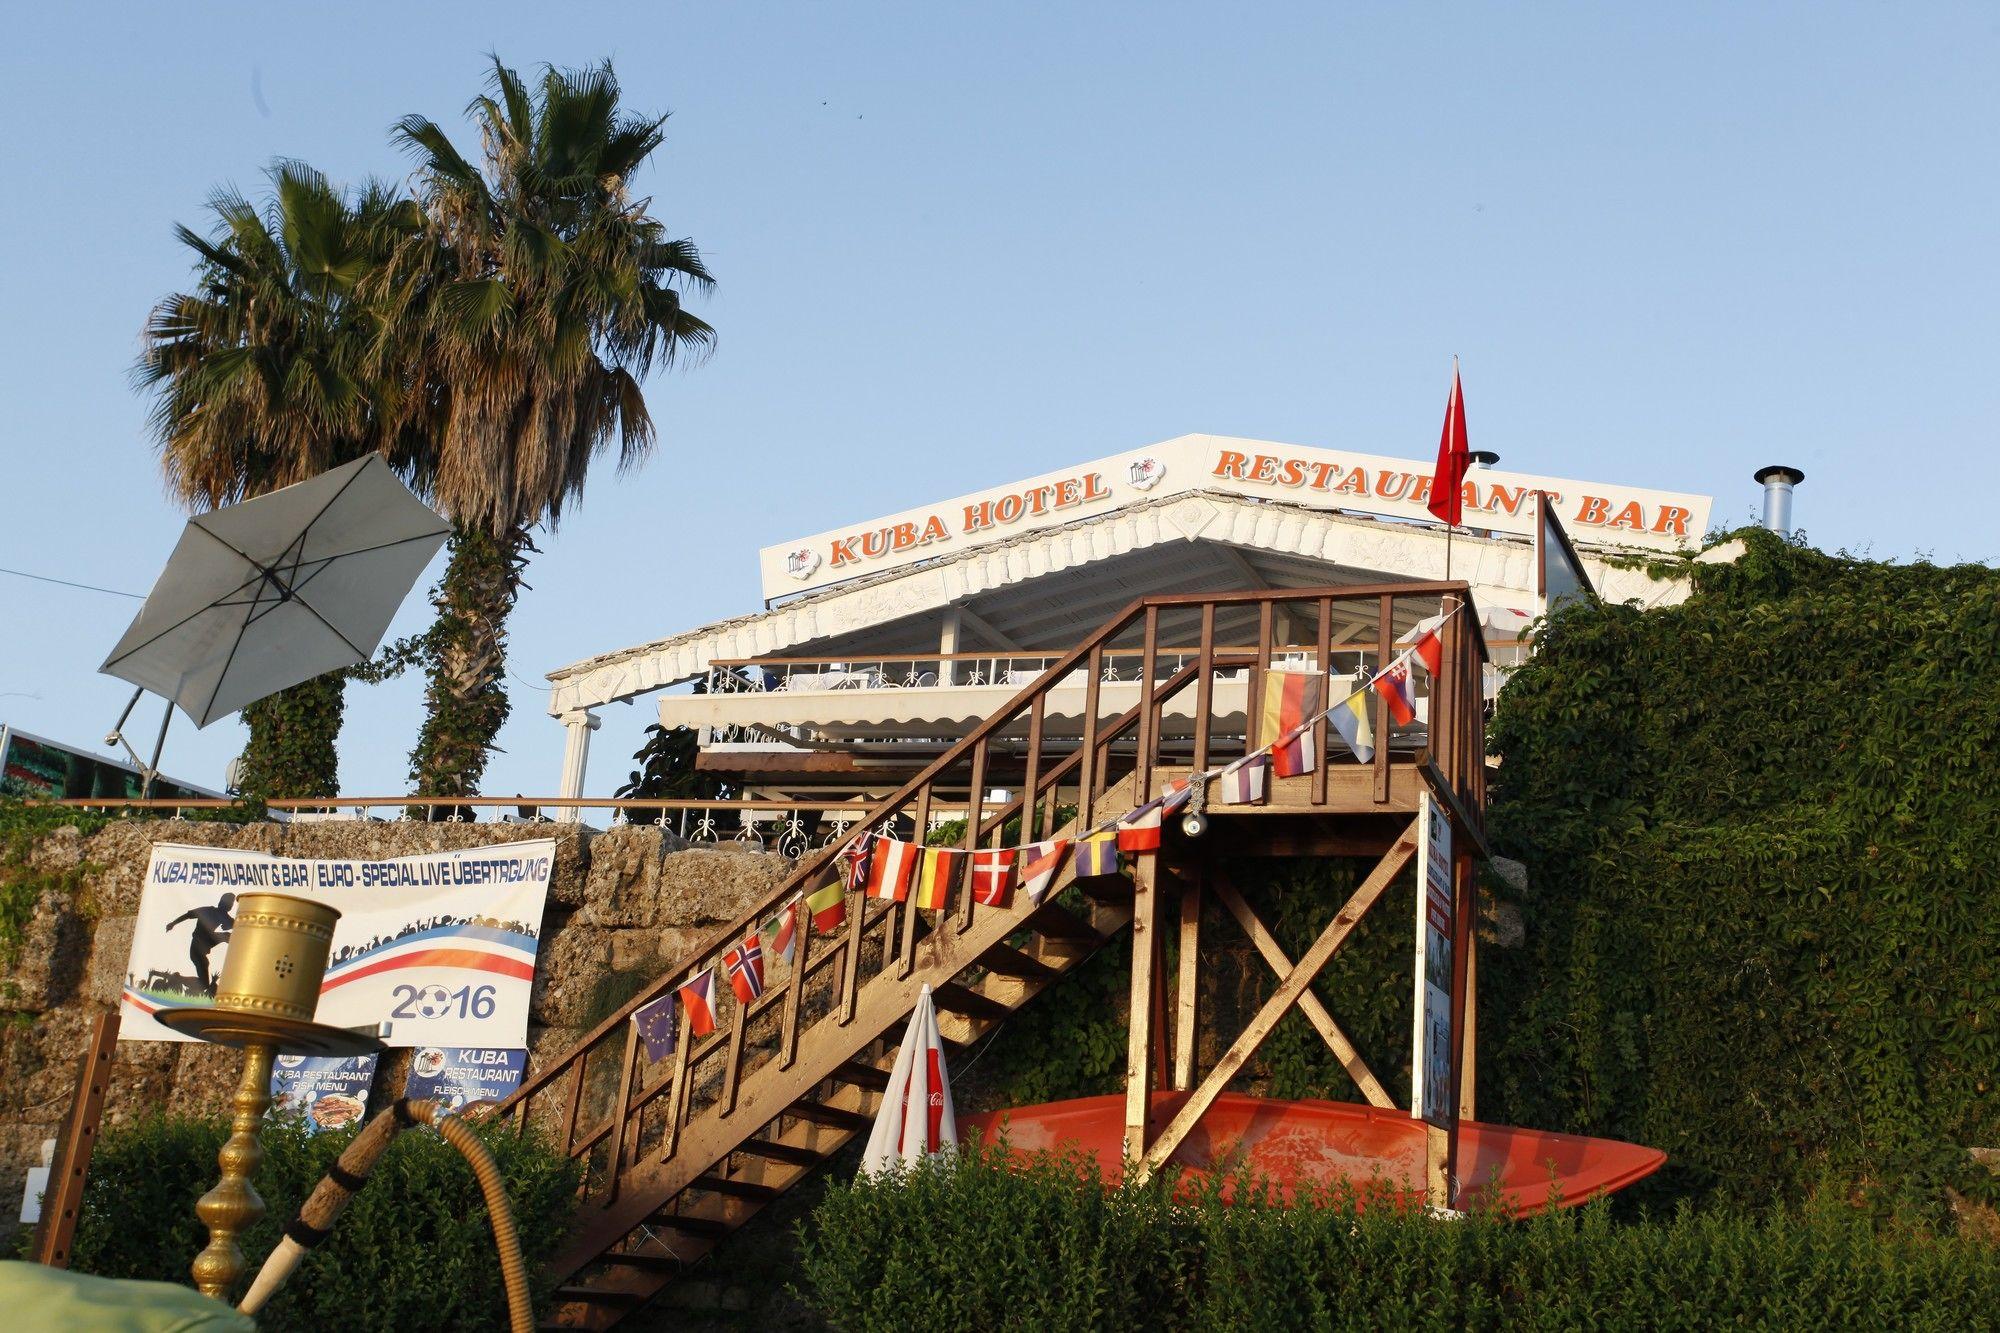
543,291
264,374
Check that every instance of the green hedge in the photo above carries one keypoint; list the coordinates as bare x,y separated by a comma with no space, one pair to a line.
1761,920
413,1250
971,1246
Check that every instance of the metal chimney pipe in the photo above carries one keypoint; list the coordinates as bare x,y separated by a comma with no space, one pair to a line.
1777,481
1481,458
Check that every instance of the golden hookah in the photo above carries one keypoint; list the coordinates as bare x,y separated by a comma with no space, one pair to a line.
264,1004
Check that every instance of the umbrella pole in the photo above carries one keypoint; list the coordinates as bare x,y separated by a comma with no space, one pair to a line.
159,744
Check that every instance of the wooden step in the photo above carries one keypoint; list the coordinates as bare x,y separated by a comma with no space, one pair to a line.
736,1188
861,1075
788,1153
1007,961
651,1263
1106,888
1053,921
707,1228
955,998
837,1116
582,1295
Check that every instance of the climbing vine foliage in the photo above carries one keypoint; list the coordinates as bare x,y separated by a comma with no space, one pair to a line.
1761,834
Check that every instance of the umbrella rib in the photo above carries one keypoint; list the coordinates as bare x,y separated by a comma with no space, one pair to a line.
204,610
263,571
223,674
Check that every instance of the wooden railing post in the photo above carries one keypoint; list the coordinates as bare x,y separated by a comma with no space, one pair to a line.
976,815
1204,688
617,1157
1385,630
1087,774
1139,1036
1324,661
1149,727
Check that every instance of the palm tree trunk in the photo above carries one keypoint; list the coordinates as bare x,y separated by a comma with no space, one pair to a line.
467,696
292,734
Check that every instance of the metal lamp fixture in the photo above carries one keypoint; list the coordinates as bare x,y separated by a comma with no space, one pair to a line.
264,1004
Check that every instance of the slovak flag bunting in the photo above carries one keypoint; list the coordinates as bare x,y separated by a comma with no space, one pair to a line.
1139,831
1038,866
1424,641
1243,781
892,865
746,969
1393,684
992,877
941,869
698,994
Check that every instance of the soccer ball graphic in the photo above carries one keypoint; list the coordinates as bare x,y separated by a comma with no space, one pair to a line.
433,1002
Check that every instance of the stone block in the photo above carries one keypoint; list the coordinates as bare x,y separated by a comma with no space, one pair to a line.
572,959
713,885
48,958
622,887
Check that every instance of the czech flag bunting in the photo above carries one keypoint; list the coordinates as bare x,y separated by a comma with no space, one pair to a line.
1139,831
1292,700
781,932
1038,866
828,907
892,865
699,997
1177,793
1393,684
1097,855
1351,719
655,1022
992,877
1423,640
746,969
1243,781
940,872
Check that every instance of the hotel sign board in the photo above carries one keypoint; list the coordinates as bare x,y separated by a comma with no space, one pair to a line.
1594,513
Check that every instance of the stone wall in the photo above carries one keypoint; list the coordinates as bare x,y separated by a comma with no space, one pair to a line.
623,905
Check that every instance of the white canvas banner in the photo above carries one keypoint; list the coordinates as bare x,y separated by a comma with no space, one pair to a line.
437,949
1432,1097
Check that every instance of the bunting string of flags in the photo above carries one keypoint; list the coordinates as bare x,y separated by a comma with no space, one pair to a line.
886,869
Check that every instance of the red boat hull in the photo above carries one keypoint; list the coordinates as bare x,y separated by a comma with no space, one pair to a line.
1296,1144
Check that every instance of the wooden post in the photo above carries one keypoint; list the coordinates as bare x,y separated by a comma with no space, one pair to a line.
795,986
1139,1043
1187,982
1149,731
617,1158
62,1203
1087,776
975,812
1324,661
1204,685
1384,631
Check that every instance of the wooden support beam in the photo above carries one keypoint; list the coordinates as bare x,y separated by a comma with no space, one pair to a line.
971,619
1309,1003
1292,986
62,1202
1139,1036
1187,982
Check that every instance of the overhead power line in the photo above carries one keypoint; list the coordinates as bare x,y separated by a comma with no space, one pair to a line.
87,587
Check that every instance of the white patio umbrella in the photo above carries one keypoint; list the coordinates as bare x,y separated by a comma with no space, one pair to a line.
261,595
916,1120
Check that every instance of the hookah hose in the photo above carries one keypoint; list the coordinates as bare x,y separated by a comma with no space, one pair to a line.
323,1207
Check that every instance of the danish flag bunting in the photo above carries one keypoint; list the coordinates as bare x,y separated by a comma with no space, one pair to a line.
1038,866
699,997
1424,641
1139,831
942,866
1393,684
782,932
1292,702
891,866
1243,781
992,877
746,969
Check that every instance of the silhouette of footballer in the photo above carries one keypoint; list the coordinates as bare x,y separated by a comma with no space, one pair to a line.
211,927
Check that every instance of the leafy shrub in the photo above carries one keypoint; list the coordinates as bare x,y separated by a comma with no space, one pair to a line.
968,1245
1761,926
413,1250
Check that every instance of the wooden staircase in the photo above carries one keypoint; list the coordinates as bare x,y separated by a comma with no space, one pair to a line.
681,1154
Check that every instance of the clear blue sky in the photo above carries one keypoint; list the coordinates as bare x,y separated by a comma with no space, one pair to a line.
959,244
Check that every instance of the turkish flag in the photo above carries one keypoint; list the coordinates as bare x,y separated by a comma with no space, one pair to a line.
1448,480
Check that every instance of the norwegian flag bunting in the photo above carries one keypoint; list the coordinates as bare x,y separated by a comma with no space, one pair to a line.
1243,781
698,994
1097,855
992,877
655,1022
941,869
1139,831
1292,700
1393,684
892,865
746,969
781,932
1038,866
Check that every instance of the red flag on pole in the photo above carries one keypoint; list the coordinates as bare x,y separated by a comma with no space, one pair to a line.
1448,479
